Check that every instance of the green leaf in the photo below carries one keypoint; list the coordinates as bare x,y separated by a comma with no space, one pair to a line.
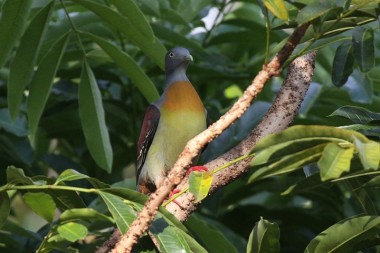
175,38
41,203
169,237
210,237
193,244
356,114
363,48
199,184
83,214
70,175
136,16
17,176
22,66
278,8
66,199
343,64
299,138
305,184
72,231
140,198
369,154
73,175
129,66
335,160
122,213
17,127
5,207
93,119
14,14
264,238
344,236
313,11
288,163
153,49
298,134
43,81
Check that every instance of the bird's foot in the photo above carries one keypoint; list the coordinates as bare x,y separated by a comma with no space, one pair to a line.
173,193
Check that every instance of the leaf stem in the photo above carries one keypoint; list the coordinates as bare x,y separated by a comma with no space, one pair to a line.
76,31
49,187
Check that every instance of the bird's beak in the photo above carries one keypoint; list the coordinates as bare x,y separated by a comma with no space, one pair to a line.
189,57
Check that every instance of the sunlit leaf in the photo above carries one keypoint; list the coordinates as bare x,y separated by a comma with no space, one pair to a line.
41,203
264,238
369,154
299,138
22,65
278,8
288,163
93,119
363,48
345,236
335,161
199,184
14,14
72,231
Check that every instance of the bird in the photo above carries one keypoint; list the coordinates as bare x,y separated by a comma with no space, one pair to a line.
169,123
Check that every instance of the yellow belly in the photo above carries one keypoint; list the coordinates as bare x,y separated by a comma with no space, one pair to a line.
173,132
182,116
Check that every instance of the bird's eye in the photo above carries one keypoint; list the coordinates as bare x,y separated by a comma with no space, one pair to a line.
171,54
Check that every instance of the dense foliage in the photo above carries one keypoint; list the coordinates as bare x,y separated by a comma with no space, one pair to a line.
77,75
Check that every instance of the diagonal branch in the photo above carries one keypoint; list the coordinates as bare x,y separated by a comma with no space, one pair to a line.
194,146
282,113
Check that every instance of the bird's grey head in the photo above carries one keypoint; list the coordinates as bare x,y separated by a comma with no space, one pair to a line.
176,59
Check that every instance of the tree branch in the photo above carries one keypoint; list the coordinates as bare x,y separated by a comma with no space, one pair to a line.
282,113
194,146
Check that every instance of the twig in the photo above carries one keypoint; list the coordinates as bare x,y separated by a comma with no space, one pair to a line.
194,146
